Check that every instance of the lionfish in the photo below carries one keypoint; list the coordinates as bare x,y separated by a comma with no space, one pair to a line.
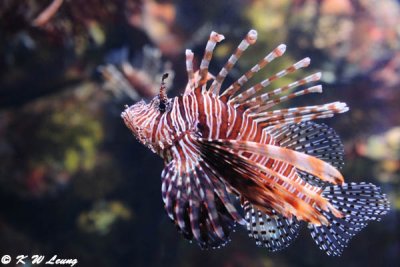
231,158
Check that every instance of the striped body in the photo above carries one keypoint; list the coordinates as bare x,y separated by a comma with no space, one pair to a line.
232,158
203,114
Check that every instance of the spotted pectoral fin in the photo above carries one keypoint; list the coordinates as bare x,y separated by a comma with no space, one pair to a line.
198,202
301,161
275,232
318,140
263,187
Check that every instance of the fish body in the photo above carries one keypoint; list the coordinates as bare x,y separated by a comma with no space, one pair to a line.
231,159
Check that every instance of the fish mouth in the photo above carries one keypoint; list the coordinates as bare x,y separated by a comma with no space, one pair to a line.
124,113
127,118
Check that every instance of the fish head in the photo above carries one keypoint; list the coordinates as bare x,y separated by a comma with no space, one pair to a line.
140,119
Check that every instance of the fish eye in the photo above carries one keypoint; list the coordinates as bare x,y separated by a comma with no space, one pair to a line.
162,106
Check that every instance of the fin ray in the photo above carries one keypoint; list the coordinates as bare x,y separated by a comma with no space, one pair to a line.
262,186
232,89
250,39
196,200
302,161
313,139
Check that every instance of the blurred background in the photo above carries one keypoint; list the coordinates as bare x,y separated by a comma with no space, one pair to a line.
75,182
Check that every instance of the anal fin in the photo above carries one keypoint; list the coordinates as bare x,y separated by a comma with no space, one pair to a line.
275,232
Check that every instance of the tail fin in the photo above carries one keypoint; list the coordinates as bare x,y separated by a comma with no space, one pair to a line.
360,203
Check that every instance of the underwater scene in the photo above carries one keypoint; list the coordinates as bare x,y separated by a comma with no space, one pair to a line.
243,133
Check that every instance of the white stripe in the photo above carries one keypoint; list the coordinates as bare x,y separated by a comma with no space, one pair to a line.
210,46
244,44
